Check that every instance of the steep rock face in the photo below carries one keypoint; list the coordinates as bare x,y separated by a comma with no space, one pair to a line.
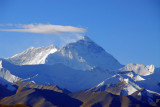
32,56
84,55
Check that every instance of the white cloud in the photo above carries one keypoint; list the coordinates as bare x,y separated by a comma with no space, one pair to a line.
45,29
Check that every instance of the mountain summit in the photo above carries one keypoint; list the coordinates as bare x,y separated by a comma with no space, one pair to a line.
84,55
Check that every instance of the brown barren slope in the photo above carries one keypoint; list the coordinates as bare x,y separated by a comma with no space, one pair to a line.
105,99
41,98
15,105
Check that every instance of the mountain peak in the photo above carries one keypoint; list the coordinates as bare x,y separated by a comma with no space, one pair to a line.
139,69
84,54
52,46
86,38
32,55
31,47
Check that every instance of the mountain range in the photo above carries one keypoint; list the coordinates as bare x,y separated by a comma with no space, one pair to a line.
82,73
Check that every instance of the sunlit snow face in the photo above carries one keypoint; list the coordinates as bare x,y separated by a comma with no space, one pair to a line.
0,64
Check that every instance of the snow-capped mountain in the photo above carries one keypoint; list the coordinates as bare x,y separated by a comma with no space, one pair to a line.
84,55
117,85
152,81
81,55
32,56
79,66
75,67
139,69
135,78
146,77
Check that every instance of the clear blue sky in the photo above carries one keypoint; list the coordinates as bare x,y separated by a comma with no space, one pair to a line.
127,29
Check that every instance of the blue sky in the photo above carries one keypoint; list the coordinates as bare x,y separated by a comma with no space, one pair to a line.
127,29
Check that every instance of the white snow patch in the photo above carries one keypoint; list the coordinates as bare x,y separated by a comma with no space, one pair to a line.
8,76
139,69
130,88
138,78
0,63
32,56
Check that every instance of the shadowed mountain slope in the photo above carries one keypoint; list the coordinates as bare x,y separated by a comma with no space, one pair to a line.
41,98
105,99
15,105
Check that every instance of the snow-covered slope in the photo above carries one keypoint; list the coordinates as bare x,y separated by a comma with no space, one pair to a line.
133,79
118,84
152,81
146,77
32,56
59,74
139,69
130,88
138,78
84,55
131,75
6,78
5,74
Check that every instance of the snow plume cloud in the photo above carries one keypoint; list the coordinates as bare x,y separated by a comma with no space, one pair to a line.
45,29
62,35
